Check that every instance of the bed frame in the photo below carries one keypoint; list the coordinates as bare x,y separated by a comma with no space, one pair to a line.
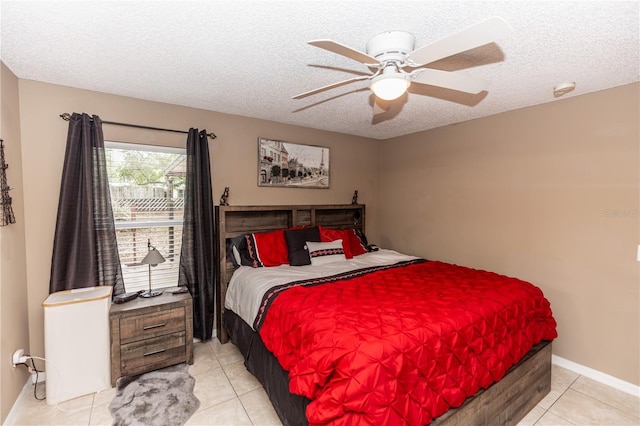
233,221
504,403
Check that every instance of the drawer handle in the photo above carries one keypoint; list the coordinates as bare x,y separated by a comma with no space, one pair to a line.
149,327
154,352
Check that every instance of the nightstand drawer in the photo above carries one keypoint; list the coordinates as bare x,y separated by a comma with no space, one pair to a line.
152,325
154,353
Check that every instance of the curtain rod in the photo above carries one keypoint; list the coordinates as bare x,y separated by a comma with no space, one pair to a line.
66,116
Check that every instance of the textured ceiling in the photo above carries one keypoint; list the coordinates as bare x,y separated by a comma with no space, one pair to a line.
250,57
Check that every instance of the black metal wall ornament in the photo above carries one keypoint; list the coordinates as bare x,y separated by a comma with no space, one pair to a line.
354,200
7,216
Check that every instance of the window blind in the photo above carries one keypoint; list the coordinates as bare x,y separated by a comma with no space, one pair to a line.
147,196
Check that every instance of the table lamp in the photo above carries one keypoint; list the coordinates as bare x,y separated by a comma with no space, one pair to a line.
152,258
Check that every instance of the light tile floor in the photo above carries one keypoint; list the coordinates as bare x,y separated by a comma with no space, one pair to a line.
230,395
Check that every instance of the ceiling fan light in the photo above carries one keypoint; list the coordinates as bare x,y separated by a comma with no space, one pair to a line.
390,87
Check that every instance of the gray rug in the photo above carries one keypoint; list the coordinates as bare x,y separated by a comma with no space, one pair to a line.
161,397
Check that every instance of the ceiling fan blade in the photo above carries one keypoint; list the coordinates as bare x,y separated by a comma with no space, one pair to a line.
449,80
330,86
469,38
379,107
341,49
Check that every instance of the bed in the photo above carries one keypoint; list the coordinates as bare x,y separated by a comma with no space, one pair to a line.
468,354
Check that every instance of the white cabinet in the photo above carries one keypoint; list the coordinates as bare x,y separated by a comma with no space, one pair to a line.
76,342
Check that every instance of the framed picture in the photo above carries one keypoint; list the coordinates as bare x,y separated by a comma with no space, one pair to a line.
292,165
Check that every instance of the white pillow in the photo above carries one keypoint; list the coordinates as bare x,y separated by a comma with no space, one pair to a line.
323,253
236,255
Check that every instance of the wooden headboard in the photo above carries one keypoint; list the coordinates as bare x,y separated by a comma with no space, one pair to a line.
233,221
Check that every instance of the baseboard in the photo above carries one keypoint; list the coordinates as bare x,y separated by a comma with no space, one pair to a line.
13,413
596,375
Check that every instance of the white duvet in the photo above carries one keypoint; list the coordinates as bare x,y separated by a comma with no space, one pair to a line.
248,285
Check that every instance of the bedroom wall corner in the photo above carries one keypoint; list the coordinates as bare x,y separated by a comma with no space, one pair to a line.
353,163
549,194
14,325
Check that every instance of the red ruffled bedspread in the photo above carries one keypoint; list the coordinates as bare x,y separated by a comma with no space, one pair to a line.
402,345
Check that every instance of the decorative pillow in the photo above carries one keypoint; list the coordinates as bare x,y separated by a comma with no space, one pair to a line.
267,248
358,242
323,253
330,234
296,244
237,253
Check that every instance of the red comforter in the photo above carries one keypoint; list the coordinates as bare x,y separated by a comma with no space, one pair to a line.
401,345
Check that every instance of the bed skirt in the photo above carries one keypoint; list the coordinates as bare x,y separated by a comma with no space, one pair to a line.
263,364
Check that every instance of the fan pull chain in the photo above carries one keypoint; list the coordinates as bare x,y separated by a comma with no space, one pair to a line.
5,200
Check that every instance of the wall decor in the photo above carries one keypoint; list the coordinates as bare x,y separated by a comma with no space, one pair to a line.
224,199
6,211
292,165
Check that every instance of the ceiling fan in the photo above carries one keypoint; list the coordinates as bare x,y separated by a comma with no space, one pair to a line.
395,65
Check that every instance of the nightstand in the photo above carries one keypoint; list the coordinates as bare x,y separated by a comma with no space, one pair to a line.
148,334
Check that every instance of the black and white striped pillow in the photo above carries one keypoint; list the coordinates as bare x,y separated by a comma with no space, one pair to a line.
323,253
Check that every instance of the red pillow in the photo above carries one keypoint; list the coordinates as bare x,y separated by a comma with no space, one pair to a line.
267,248
328,234
356,243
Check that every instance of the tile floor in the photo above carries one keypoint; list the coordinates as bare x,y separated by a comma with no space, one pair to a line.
229,395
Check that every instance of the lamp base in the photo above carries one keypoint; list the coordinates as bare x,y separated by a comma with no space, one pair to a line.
150,293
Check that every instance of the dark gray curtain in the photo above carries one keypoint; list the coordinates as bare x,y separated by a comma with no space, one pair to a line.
197,258
85,251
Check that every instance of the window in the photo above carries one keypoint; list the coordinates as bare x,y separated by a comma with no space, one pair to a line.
147,196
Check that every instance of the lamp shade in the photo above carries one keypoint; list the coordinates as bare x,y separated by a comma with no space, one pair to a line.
390,86
153,257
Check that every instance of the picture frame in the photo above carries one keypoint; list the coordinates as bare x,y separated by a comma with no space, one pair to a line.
292,165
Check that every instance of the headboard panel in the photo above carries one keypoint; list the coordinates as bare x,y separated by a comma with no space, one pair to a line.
233,221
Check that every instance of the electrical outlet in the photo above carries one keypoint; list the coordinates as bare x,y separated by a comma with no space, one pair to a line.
18,358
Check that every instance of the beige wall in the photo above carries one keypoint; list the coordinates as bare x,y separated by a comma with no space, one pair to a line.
14,325
548,194
353,162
